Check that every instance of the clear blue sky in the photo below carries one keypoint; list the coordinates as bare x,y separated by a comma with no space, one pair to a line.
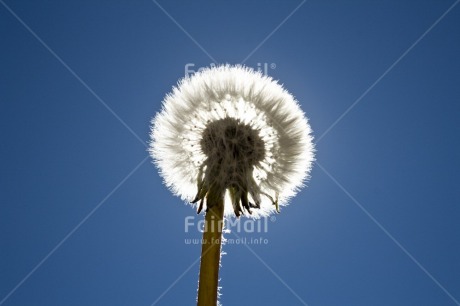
382,228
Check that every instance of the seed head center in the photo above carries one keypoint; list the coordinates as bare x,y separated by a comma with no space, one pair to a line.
232,147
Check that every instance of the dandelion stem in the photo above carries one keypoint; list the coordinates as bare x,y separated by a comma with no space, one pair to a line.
210,252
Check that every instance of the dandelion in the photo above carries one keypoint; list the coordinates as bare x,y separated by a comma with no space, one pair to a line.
231,141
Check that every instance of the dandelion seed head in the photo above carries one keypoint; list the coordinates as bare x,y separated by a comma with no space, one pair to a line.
232,129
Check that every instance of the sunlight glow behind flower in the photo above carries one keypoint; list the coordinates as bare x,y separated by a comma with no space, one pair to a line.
232,129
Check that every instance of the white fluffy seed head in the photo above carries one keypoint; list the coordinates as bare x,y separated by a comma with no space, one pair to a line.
232,128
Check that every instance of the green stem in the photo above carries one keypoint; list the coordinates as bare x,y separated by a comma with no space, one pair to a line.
210,253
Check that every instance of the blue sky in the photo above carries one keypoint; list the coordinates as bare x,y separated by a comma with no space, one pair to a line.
85,219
